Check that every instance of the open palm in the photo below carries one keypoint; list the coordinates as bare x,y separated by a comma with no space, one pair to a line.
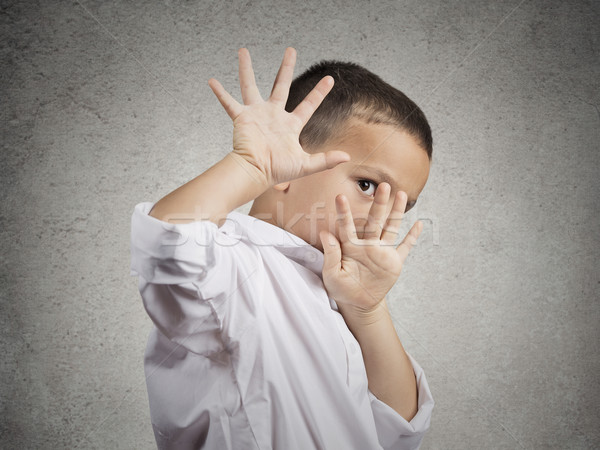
358,272
265,134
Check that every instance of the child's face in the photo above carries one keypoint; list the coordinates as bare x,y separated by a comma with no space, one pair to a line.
380,153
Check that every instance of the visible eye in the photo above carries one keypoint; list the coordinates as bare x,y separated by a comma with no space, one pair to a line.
367,186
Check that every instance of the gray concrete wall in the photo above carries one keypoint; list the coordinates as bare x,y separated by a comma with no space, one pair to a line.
106,104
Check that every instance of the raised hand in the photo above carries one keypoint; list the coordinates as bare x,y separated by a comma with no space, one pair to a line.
358,272
265,135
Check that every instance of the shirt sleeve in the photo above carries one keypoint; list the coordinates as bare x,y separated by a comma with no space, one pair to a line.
395,432
188,273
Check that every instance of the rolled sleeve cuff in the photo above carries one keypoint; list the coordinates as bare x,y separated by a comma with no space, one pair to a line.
168,253
393,430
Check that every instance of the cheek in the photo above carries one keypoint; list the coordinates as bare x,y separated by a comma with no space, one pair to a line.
360,216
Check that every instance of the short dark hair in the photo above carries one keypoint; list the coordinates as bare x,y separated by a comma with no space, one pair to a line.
358,93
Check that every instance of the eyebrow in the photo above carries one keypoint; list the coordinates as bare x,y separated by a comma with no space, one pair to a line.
386,177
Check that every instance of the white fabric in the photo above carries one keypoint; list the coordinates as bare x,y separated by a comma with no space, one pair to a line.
248,351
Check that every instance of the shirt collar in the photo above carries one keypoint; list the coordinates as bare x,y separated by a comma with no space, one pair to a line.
266,234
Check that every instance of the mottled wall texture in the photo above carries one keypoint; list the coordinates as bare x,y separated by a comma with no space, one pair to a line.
105,104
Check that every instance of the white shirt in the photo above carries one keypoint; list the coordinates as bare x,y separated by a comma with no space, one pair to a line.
248,351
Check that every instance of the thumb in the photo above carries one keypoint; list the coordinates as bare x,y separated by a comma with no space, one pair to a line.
332,252
322,161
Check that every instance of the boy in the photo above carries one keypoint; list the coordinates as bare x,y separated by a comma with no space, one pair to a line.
272,329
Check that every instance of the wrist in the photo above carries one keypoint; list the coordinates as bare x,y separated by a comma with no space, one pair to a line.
252,170
356,316
245,181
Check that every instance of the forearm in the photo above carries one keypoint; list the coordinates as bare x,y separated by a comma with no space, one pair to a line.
230,183
389,371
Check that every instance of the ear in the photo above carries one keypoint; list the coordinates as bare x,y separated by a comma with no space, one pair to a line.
282,186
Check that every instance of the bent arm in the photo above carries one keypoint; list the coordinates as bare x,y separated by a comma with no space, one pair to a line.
266,148
389,370
230,183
